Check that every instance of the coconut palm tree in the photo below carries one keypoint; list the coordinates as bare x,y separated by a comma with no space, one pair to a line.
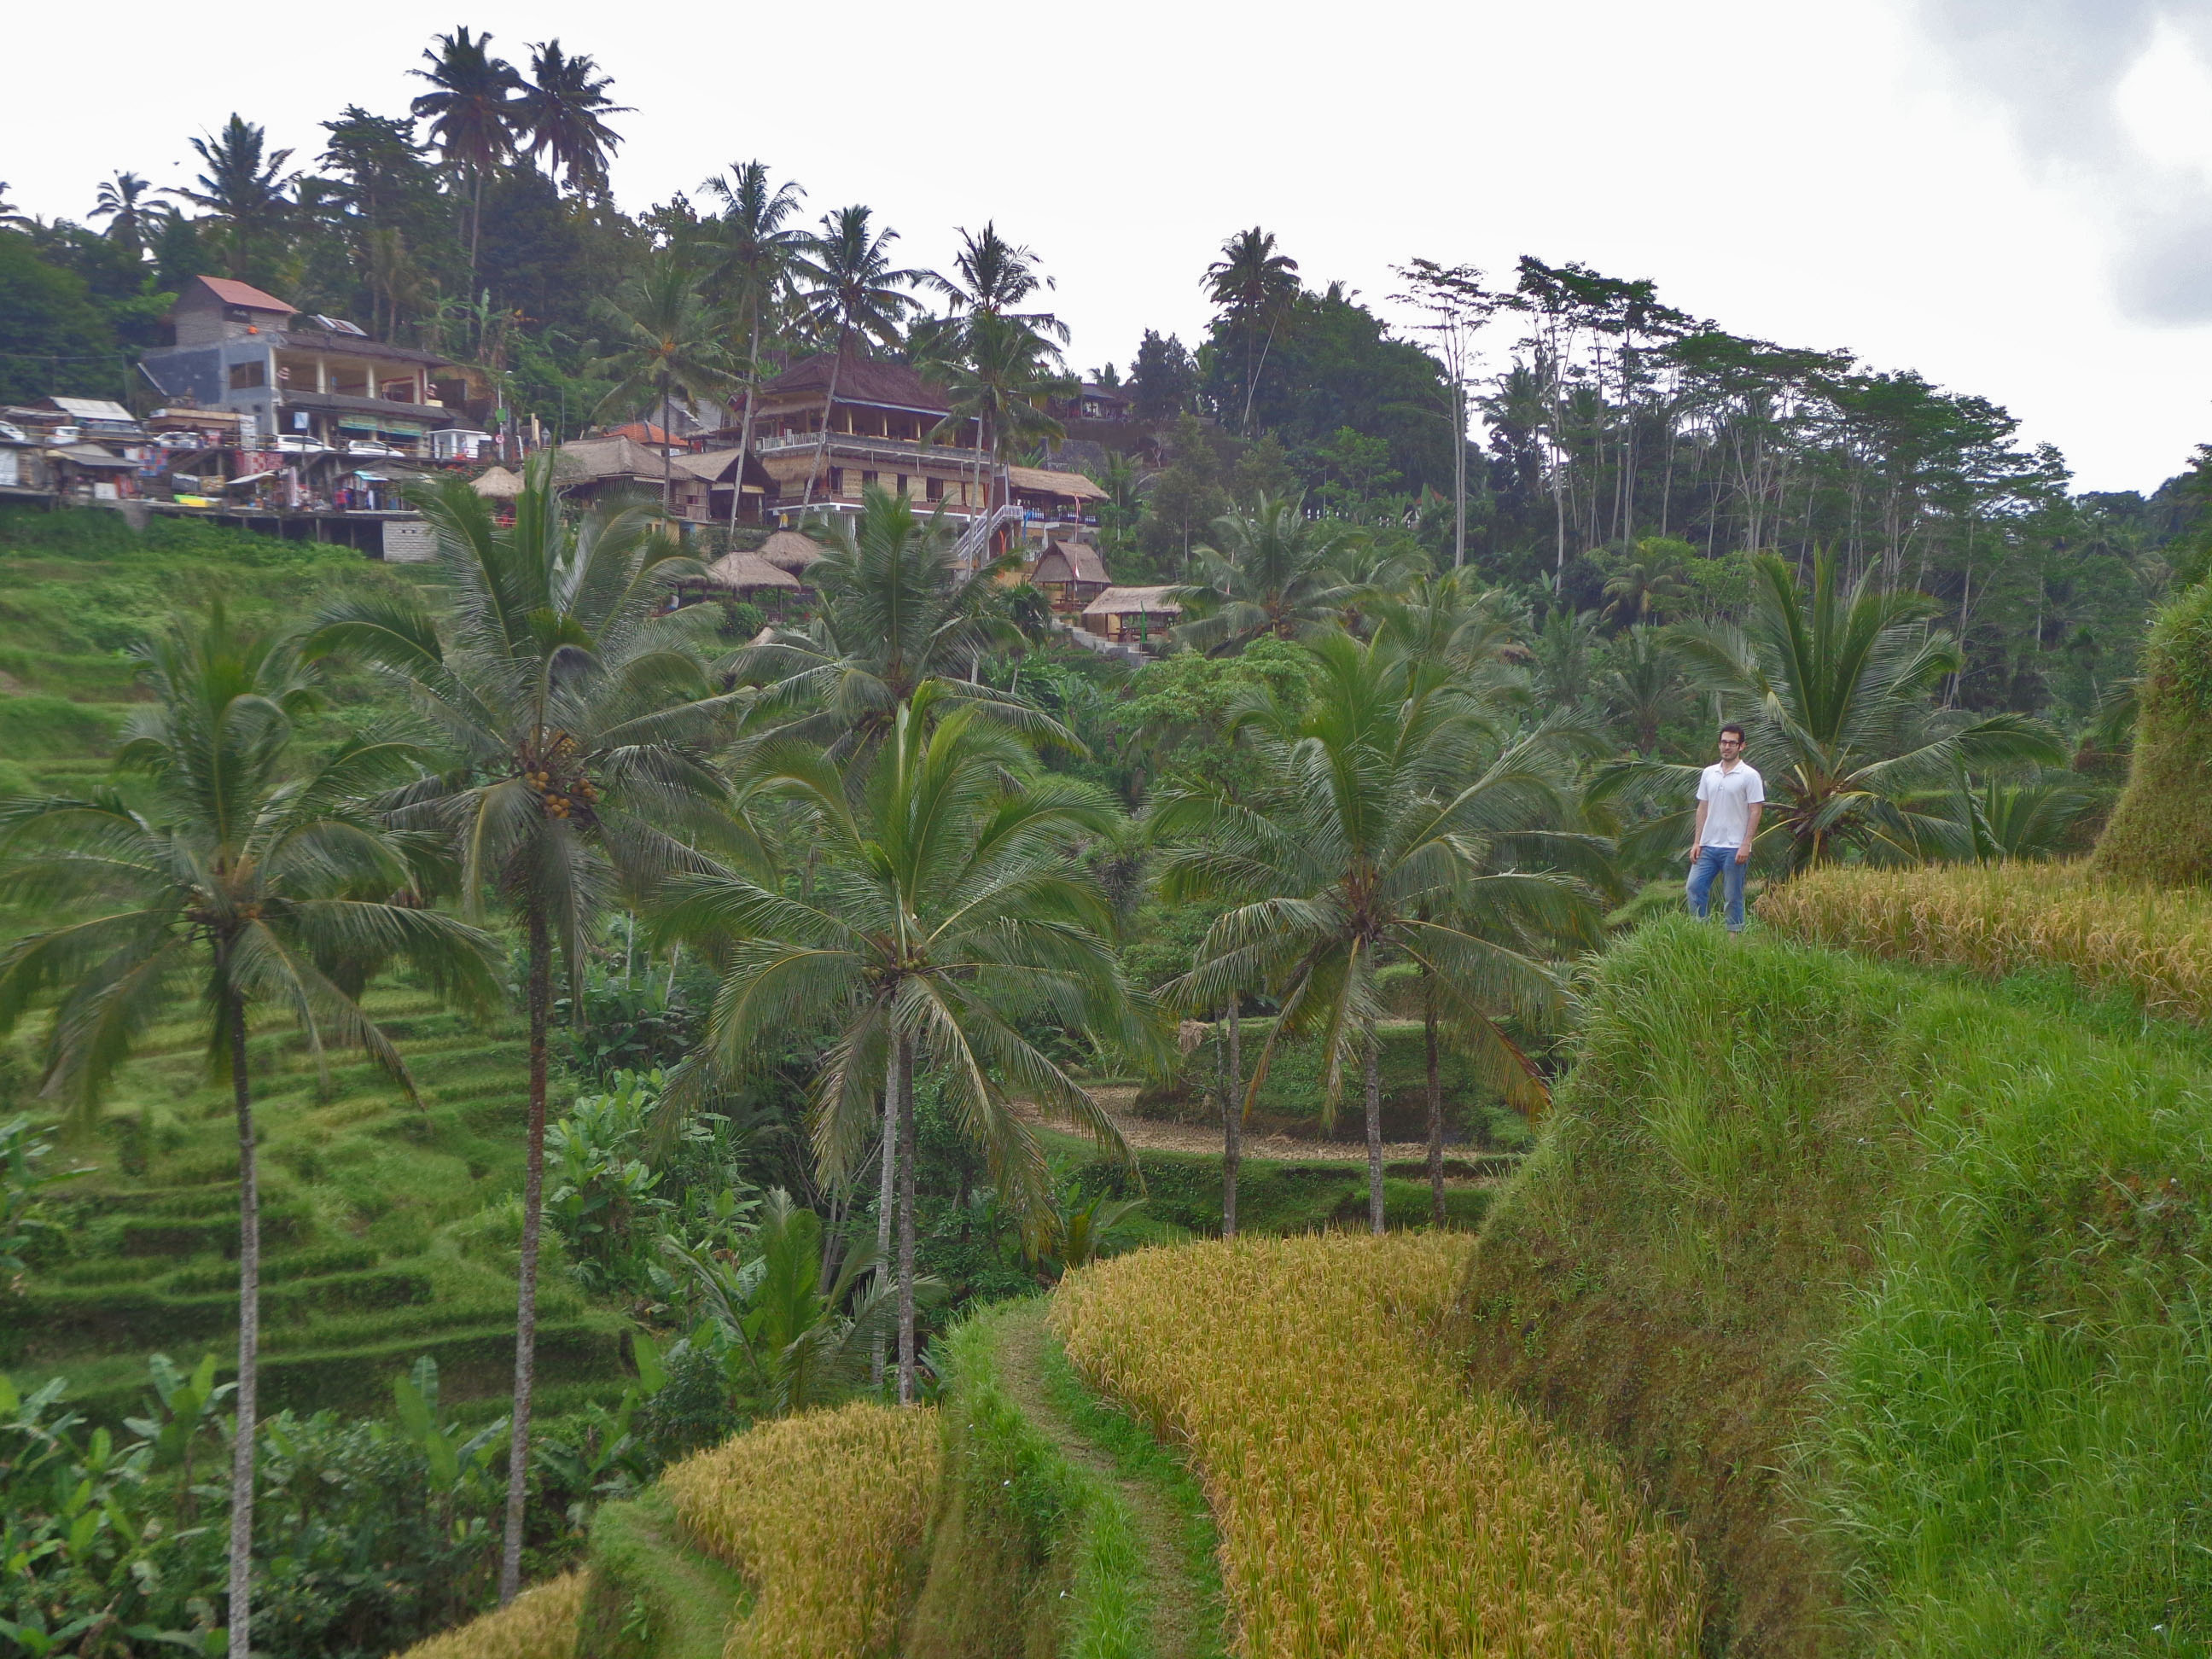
123,201
1270,571
752,252
471,114
1256,286
1836,690
1642,687
665,339
893,613
946,909
1000,379
991,277
1391,827
251,885
851,287
243,187
581,721
560,114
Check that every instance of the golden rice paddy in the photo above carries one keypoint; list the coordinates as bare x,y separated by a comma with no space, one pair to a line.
538,1624
1368,1504
826,1515
2001,918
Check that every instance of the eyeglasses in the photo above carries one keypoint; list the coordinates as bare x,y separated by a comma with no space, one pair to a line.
1731,742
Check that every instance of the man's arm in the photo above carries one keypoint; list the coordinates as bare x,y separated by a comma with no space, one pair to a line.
1750,832
1698,834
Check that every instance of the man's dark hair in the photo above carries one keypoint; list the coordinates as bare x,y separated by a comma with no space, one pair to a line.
1733,726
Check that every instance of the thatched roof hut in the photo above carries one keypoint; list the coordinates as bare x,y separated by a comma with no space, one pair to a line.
497,484
748,573
793,550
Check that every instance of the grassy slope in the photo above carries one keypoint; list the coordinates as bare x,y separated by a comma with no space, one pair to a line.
1892,1287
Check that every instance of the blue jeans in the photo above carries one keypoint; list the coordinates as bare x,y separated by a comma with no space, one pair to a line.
1717,861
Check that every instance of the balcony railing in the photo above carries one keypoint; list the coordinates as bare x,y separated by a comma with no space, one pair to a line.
845,444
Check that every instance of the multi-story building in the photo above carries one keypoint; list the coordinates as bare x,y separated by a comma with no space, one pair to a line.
880,424
309,386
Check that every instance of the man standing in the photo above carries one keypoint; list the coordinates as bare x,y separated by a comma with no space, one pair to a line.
1729,800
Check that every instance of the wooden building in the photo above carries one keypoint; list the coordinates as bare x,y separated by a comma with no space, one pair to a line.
1138,617
1071,574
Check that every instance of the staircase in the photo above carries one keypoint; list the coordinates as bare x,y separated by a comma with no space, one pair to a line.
975,544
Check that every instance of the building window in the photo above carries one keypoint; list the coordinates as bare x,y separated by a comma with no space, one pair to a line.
933,489
867,480
901,483
836,481
245,376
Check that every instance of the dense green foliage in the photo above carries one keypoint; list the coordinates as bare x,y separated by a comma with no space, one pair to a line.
1910,1333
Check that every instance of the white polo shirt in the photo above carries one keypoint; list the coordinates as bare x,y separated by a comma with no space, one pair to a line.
1729,793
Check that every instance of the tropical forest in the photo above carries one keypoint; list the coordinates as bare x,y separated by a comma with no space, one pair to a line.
1087,1044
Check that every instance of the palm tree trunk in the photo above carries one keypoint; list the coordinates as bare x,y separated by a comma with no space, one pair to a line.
540,996
667,437
249,1343
1436,1103
476,228
745,427
1232,1127
886,1196
906,1222
821,440
1371,1071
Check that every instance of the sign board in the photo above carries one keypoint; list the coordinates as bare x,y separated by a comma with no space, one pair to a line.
409,541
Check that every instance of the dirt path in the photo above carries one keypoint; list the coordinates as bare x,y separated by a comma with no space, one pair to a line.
1178,1612
1153,1134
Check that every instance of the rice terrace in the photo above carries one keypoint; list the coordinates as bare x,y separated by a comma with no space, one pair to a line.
703,958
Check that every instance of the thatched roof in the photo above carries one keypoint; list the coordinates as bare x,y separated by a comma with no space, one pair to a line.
791,550
748,573
1133,601
590,459
861,380
498,485
1073,485
1070,561
714,465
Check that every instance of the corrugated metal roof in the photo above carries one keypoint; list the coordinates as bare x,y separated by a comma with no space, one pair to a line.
243,294
94,409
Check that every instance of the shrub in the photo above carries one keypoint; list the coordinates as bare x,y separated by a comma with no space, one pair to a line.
826,1514
2001,918
1403,1518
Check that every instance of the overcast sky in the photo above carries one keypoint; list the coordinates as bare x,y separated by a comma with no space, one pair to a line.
2013,197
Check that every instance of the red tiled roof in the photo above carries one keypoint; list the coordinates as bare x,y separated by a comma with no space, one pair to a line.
244,295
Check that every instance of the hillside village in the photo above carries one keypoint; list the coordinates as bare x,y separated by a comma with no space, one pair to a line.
700,957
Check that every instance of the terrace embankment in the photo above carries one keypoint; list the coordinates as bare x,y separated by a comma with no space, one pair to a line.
1891,1287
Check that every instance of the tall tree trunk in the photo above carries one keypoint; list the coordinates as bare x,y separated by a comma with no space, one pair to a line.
1232,1126
886,1197
1458,472
1371,1069
476,228
667,444
540,996
745,427
1435,1102
906,1222
249,1342
828,404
